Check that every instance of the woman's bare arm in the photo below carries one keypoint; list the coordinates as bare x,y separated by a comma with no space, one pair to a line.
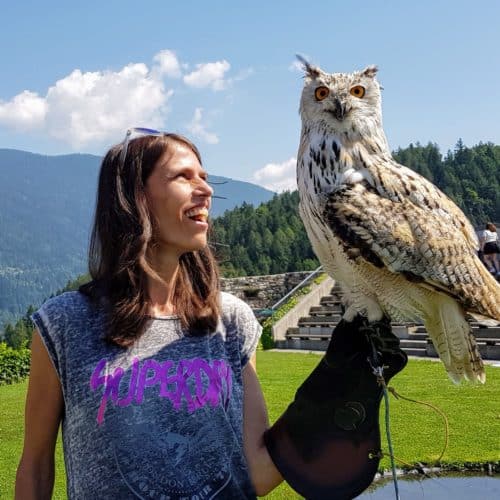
44,406
263,473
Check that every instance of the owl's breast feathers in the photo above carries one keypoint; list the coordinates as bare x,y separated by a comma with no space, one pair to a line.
396,219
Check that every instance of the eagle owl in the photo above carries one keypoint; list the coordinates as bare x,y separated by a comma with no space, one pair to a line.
396,244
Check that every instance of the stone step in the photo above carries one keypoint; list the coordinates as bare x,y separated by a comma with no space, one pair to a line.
330,300
420,329
320,343
324,310
415,351
478,324
410,343
309,332
478,332
318,325
304,345
331,319
479,341
400,330
486,351
418,336
487,333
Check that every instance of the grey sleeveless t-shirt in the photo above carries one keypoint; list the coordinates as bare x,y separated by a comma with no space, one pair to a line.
162,419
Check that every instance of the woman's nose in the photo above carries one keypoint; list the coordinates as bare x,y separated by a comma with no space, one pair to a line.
203,187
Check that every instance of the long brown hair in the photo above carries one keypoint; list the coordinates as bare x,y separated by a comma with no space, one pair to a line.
121,234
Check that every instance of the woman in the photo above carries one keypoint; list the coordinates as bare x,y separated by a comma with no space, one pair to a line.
149,367
491,249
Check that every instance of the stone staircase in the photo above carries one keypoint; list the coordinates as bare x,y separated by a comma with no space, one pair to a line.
313,331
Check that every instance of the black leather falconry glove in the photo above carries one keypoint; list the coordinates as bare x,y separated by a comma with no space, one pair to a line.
327,443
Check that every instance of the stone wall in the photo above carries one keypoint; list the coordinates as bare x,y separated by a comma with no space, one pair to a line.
261,292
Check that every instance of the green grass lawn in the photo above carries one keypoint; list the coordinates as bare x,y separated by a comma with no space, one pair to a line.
473,412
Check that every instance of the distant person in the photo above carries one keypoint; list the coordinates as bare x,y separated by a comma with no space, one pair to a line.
151,369
479,234
491,249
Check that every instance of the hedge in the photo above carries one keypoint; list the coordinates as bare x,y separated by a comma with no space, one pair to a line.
14,364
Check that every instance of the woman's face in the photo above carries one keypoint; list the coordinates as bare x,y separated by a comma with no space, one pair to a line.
179,199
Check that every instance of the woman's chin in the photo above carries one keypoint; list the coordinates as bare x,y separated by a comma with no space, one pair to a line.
196,245
176,249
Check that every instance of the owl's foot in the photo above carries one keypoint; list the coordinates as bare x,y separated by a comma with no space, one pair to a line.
371,310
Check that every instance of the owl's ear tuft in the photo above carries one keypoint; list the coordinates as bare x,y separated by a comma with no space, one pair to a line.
370,71
310,70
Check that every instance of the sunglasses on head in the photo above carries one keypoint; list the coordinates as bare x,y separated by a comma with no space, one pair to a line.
134,133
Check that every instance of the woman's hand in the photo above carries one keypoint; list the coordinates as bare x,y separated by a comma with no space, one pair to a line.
265,477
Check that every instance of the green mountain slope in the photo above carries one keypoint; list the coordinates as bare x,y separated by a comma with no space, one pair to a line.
46,207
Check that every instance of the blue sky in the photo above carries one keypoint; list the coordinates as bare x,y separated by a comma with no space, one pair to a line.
76,75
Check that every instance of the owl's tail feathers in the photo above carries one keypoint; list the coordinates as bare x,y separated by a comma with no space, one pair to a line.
452,337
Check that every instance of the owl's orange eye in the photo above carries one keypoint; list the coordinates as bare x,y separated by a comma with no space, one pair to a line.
321,93
358,91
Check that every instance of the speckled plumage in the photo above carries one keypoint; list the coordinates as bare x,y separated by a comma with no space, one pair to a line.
396,244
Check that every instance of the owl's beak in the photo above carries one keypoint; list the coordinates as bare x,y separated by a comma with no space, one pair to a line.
339,111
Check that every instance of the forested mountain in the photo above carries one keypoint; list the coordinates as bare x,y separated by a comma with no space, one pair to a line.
272,239
469,176
46,207
268,239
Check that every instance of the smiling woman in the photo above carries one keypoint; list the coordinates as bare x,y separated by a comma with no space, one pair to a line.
146,365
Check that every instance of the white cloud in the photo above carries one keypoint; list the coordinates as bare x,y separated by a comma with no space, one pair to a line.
278,176
198,129
25,111
92,107
167,64
208,75
95,108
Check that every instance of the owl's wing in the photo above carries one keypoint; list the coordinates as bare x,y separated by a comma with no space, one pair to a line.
398,220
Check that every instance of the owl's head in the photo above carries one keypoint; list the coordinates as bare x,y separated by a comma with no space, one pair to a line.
340,102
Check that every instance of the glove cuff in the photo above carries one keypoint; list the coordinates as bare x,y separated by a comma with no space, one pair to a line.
341,469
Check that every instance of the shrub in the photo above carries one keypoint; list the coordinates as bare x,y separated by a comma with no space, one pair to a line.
14,364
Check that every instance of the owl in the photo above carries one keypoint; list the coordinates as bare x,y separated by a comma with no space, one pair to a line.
394,242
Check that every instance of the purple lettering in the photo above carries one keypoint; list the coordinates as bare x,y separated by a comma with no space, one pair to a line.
183,373
131,386
97,379
111,389
144,380
195,382
225,375
167,380
212,391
